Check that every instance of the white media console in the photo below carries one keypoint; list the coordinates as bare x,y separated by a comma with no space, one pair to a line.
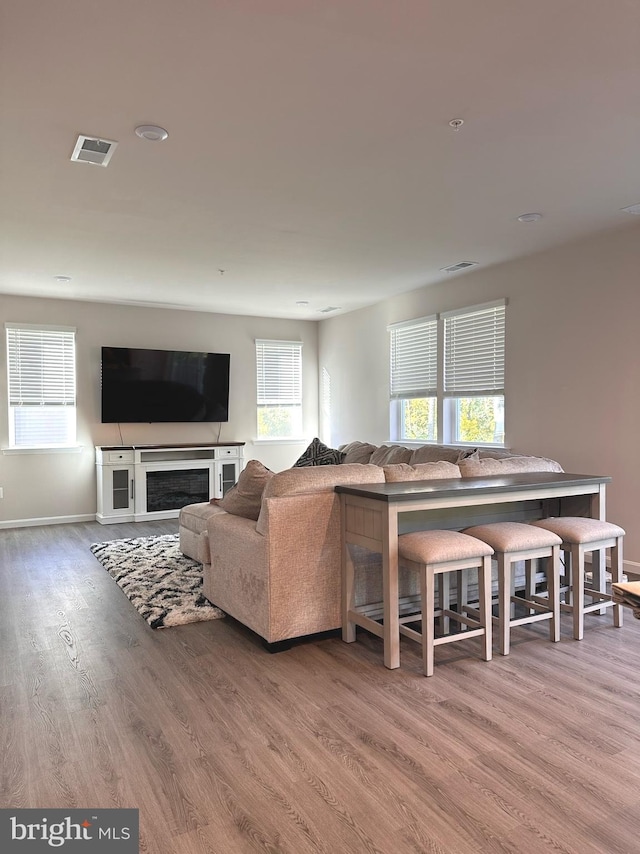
141,482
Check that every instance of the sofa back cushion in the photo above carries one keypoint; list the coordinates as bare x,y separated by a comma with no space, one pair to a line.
357,452
401,472
314,479
387,454
245,498
434,453
507,465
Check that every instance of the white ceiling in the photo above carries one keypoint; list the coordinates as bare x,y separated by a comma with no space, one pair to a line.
310,155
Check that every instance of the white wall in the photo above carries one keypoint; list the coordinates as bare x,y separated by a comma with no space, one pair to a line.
572,359
62,486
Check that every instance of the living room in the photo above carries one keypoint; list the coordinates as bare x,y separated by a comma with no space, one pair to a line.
312,188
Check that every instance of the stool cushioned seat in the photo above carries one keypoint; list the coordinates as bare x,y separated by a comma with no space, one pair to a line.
579,529
513,536
440,546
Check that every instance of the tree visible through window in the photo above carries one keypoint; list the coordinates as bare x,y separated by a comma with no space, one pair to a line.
447,377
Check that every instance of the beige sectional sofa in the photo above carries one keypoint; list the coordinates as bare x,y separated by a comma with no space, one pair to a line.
276,568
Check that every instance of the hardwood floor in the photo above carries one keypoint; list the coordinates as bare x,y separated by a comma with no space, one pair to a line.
225,748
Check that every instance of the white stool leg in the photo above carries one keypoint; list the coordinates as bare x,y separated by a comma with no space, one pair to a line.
553,587
427,593
577,588
504,602
484,594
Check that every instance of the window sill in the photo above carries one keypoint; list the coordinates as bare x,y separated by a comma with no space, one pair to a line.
261,441
44,449
417,443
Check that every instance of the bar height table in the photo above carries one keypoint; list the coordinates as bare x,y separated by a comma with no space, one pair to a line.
370,515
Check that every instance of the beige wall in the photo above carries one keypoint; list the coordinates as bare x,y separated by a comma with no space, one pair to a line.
572,356
62,486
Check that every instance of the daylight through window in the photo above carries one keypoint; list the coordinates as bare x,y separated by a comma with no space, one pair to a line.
41,367
279,383
447,377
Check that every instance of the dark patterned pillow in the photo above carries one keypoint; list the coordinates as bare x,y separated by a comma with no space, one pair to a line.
318,454
468,454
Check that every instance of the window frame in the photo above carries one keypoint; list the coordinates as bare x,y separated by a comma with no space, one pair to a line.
34,380
490,382
277,389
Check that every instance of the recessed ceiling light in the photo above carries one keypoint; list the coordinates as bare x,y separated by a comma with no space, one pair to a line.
302,303
632,209
62,280
529,217
151,132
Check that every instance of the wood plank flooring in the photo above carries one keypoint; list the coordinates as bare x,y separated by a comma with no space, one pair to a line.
225,748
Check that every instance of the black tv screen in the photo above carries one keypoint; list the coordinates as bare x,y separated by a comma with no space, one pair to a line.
164,385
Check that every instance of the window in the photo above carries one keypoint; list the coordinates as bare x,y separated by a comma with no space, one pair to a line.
414,379
42,385
279,375
447,377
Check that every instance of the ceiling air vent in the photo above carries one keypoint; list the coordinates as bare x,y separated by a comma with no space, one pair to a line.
91,149
462,265
329,308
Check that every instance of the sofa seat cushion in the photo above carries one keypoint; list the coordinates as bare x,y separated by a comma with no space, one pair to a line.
507,465
194,517
192,522
401,472
245,497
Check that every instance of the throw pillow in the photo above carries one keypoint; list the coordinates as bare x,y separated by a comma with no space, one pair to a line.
318,454
468,454
245,498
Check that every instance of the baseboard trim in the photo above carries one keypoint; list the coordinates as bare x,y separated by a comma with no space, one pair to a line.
48,520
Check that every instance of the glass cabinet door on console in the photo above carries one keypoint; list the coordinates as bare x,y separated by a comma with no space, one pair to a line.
115,475
227,476
121,488
226,469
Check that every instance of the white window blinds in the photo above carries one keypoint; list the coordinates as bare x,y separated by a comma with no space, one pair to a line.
279,372
41,365
414,358
474,351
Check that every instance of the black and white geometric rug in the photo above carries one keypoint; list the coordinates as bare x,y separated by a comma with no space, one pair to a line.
162,584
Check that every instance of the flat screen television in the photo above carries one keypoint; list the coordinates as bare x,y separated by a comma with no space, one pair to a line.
164,385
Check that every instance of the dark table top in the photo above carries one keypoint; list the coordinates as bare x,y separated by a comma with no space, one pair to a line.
459,486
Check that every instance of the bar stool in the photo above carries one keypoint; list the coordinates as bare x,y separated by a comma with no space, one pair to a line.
580,535
512,542
432,553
